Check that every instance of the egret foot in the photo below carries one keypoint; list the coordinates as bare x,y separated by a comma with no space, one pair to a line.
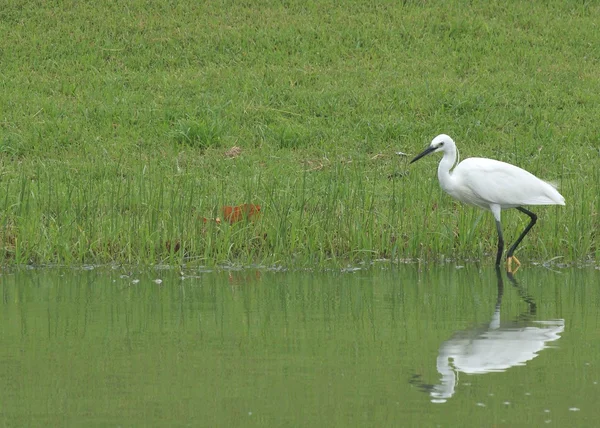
509,261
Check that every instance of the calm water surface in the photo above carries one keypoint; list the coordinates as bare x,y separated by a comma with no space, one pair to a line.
404,346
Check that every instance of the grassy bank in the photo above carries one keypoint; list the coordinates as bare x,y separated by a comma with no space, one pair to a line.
115,123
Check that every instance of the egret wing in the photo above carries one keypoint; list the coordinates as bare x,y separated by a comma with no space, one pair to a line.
495,182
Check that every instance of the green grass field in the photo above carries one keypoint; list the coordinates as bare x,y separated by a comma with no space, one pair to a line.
116,117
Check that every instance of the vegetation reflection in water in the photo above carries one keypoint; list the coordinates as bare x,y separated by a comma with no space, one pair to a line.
258,348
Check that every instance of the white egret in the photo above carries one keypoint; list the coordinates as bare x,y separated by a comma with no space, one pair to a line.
491,185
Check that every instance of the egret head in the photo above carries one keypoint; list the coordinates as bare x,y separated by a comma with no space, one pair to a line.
437,144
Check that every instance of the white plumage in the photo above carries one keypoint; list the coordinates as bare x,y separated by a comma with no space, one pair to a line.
491,185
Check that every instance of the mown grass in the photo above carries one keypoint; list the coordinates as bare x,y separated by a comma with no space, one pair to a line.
115,120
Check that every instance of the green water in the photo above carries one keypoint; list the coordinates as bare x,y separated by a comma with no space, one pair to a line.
435,346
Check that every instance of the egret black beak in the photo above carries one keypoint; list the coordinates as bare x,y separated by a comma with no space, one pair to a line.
423,153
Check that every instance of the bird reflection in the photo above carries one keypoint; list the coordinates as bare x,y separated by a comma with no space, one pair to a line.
495,348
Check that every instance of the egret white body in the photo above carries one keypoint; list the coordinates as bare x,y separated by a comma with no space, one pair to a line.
491,185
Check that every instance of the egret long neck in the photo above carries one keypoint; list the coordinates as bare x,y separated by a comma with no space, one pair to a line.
446,164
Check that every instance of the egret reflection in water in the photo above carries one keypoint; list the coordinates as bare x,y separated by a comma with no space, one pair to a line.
493,348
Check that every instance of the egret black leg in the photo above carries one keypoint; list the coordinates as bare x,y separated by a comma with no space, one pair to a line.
500,243
533,218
